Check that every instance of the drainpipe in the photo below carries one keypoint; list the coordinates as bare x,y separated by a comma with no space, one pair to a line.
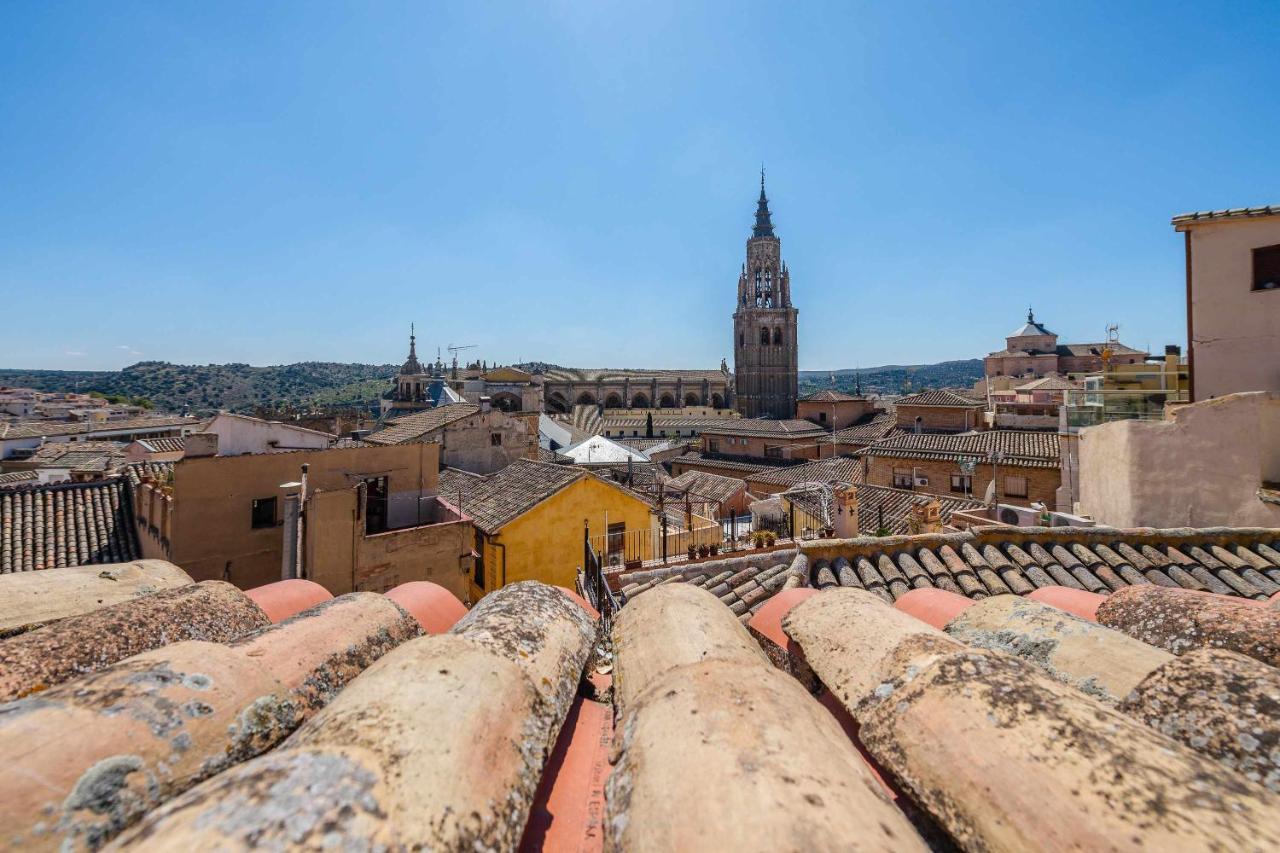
302,510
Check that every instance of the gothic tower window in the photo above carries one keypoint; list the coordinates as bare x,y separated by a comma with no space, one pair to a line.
777,334
764,335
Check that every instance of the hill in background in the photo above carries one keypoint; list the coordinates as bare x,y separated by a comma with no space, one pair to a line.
243,388
896,378
209,387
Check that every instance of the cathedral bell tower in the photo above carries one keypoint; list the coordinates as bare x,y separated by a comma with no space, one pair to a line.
765,363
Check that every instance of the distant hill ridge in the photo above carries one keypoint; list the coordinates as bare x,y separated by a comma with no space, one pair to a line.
243,387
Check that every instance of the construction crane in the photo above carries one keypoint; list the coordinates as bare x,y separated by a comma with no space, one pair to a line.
455,350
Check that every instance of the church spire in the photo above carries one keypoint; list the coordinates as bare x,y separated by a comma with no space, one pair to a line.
764,225
411,364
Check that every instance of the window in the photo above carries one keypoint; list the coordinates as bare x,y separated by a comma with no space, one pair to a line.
495,439
478,574
764,336
902,478
713,446
773,452
616,541
741,339
375,505
1266,268
822,417
961,483
777,335
264,512
1015,487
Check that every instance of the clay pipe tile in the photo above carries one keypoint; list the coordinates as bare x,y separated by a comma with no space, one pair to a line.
1075,601
214,610
283,599
934,607
718,750
436,609
691,631
983,740
582,602
439,745
1178,621
1104,663
89,757
31,599
1221,704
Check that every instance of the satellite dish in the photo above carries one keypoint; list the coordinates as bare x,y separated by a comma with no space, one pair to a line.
989,496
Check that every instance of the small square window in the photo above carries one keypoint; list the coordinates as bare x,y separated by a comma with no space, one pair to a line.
495,439
264,512
961,483
1266,268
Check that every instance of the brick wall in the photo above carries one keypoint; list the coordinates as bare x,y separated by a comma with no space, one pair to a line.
949,418
1042,483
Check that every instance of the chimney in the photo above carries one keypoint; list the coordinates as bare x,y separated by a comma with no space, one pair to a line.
200,444
926,516
485,404
846,512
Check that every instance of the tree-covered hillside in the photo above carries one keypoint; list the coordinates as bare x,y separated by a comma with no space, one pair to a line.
210,387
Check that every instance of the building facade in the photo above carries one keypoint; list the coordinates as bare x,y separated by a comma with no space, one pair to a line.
765,352
1233,300
564,387
1034,351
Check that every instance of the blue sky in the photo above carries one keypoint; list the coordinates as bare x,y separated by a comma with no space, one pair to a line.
574,182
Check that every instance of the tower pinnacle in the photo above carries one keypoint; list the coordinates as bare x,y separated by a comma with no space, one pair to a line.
764,224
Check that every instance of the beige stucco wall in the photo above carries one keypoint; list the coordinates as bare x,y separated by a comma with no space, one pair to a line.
210,525
342,558
838,415
467,443
1200,468
1235,330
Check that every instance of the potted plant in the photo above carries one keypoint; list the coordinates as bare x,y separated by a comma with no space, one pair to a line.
758,540
703,551
693,552
714,548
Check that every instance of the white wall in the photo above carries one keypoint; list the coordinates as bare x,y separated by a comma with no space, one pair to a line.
238,435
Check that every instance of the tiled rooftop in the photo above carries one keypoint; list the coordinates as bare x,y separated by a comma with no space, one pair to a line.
704,486
493,500
742,583
136,472
414,427
844,469
828,395
939,397
1000,560
1028,449
15,479
766,427
712,460
869,429
1230,213
71,524
36,429
1144,725
880,505
162,445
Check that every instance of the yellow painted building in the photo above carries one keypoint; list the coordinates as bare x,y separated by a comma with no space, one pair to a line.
531,517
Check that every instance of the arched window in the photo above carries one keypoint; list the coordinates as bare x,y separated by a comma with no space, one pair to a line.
741,339
777,334
764,336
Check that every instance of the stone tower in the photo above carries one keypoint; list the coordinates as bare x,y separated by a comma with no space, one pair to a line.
765,364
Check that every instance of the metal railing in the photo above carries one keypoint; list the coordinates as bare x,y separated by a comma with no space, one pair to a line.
1093,406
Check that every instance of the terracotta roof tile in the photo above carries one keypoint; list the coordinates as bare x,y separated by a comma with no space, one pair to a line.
414,427
844,469
1020,448
498,498
71,524
939,397
766,427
